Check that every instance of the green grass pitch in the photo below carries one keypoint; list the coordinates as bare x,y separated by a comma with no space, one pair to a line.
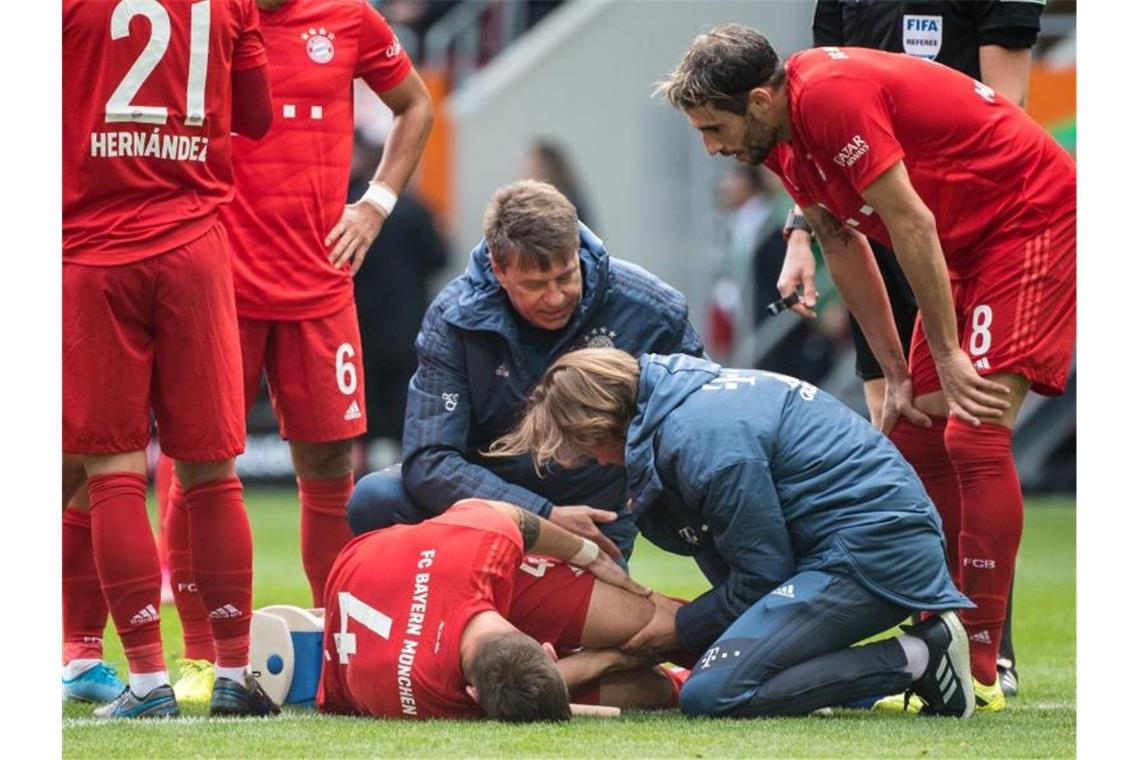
1041,722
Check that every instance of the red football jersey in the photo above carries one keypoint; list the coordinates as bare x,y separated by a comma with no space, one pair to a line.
291,184
988,172
397,601
146,125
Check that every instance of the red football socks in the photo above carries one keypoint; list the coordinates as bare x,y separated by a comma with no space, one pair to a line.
324,528
197,636
221,551
127,560
163,482
925,450
84,608
992,517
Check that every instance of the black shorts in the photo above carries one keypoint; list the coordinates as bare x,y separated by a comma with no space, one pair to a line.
903,307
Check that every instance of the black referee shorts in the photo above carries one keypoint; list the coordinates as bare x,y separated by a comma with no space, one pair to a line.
903,307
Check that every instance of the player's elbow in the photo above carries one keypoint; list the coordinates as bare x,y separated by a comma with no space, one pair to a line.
915,225
256,127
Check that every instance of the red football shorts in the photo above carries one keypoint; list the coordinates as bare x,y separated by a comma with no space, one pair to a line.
158,334
1017,313
551,601
315,372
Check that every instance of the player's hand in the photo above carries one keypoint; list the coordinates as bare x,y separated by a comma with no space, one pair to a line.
971,397
898,402
659,636
605,569
799,272
582,521
351,237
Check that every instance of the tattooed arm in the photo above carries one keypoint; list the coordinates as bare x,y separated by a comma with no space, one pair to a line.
543,537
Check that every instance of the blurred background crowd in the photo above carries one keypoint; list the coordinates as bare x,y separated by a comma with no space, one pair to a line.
561,90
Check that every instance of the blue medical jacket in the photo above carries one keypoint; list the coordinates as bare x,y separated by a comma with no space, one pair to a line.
761,476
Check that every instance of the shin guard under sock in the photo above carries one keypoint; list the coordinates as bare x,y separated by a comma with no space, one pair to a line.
197,636
163,484
127,560
84,608
221,551
992,516
925,450
324,527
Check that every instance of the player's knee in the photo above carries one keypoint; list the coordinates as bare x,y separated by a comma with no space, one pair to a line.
324,460
699,696
192,474
378,501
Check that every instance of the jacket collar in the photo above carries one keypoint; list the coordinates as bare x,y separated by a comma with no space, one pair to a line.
664,384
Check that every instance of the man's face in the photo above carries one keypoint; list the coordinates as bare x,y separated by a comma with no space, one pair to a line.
545,299
747,137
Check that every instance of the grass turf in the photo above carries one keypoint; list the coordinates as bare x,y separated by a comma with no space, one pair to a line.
1041,722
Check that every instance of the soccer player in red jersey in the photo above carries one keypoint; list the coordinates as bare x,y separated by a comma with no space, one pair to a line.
594,627
149,323
296,247
417,621
979,204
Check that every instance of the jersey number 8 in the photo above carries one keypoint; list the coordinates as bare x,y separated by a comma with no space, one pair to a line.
119,107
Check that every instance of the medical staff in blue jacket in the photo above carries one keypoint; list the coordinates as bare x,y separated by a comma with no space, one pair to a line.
539,284
815,532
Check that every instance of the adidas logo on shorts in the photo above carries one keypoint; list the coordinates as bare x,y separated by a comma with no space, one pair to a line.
982,637
788,591
225,612
147,614
353,412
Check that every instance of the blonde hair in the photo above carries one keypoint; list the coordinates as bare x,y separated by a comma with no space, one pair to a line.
585,398
531,223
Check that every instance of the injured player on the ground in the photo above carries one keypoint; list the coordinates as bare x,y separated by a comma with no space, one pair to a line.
485,611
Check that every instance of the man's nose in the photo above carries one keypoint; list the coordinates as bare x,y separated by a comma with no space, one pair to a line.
712,145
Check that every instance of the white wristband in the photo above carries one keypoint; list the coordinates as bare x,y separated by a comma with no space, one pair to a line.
587,554
381,196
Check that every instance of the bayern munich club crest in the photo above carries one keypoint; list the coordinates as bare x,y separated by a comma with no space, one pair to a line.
600,337
319,44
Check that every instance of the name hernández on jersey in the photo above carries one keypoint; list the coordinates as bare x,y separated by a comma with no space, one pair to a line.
123,144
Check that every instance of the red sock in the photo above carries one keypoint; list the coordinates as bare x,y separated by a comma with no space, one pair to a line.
128,565
163,480
992,516
677,677
221,549
84,608
925,450
197,636
324,528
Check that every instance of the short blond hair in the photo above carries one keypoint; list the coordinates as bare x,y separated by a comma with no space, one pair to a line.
531,223
585,398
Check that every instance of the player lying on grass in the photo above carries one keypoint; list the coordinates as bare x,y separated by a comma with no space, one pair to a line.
813,530
419,622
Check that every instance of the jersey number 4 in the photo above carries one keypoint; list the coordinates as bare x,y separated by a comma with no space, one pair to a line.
119,106
363,613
